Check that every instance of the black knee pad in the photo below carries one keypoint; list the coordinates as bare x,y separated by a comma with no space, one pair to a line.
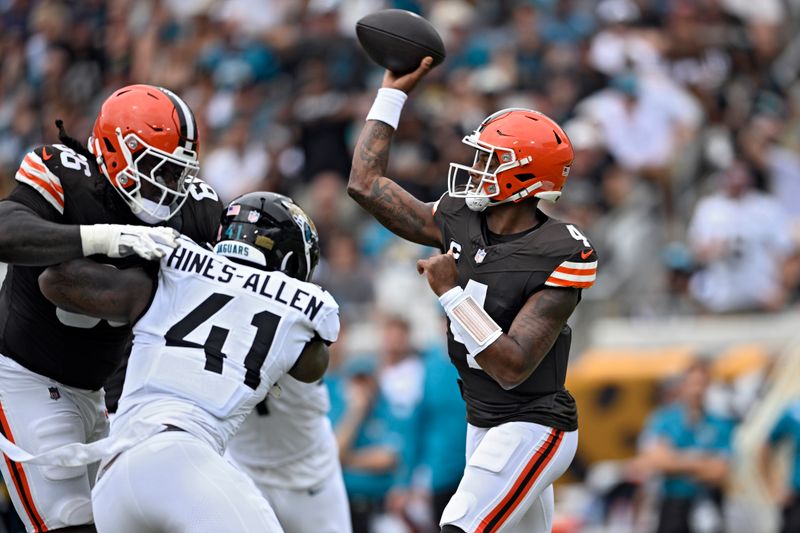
449,528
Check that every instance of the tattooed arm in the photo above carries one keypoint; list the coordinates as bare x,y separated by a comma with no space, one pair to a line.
89,288
389,203
513,357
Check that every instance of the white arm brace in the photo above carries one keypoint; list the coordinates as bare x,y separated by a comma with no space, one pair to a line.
473,324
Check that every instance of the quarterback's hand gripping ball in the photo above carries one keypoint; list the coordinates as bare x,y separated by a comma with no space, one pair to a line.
407,82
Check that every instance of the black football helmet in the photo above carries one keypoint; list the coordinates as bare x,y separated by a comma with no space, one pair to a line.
269,231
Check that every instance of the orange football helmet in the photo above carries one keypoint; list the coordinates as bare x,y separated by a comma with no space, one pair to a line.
519,152
145,142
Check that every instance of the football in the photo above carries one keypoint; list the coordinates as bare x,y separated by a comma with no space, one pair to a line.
398,40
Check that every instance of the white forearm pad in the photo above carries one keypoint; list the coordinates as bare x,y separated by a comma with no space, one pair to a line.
95,239
387,106
474,326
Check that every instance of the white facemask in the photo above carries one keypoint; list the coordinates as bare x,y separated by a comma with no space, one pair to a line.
152,212
477,204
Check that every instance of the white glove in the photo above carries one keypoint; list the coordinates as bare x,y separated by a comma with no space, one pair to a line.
117,240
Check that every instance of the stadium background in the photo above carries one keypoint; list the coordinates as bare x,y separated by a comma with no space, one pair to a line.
677,110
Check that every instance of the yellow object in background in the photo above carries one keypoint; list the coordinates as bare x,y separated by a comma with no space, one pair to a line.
616,389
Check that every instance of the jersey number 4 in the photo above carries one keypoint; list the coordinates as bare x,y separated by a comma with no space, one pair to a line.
266,324
578,236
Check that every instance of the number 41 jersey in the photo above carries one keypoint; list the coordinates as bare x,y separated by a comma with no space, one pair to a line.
215,338
502,272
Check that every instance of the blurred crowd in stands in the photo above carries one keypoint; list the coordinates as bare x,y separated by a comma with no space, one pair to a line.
684,114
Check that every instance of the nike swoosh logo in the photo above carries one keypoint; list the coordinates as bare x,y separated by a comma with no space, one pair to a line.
586,254
45,155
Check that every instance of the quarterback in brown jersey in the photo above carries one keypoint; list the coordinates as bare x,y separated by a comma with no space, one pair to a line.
508,279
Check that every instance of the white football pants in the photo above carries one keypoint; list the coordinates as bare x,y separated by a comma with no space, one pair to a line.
322,509
39,414
175,483
507,483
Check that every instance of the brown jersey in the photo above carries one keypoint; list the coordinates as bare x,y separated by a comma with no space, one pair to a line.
63,186
502,272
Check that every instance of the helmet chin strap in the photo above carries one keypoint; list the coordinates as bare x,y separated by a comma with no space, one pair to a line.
151,212
481,203
285,261
477,203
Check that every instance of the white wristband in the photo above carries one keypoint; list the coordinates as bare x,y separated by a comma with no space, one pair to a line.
448,298
95,239
471,324
387,106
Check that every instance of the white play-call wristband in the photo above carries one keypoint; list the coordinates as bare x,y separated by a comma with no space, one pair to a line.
476,329
387,106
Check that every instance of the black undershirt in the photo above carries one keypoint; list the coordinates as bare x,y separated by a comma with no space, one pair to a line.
499,238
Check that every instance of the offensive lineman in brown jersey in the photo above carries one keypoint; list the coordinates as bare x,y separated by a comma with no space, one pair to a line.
139,173
509,280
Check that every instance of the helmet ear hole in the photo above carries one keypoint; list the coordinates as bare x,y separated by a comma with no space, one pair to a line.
109,145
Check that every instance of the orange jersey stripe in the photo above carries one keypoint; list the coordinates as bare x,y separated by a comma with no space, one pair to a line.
576,271
528,477
41,168
21,480
564,283
46,185
29,160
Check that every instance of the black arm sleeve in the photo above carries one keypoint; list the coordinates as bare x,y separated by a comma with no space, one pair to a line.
32,199
28,238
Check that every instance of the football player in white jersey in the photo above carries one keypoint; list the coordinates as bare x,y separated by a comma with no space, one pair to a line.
210,339
288,448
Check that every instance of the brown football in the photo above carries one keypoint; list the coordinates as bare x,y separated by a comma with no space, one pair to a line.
398,40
